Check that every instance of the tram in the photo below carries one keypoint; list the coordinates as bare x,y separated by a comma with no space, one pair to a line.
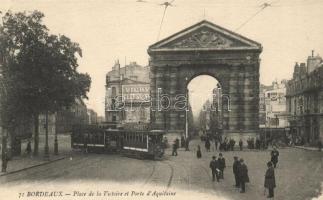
145,144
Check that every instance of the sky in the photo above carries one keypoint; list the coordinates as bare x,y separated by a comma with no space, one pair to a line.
108,30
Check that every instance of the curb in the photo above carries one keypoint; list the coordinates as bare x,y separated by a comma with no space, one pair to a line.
33,166
307,149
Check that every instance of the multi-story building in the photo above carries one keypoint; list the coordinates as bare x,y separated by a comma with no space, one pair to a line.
305,101
262,104
275,105
63,120
127,98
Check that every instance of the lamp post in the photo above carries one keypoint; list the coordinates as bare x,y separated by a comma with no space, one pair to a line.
186,109
186,118
46,154
56,141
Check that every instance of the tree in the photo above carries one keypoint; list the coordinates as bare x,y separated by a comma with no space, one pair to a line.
43,67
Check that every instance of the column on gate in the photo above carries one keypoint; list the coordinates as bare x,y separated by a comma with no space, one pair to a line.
251,99
160,89
233,100
173,113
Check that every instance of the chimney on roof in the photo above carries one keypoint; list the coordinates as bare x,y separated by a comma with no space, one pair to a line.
296,70
313,62
302,68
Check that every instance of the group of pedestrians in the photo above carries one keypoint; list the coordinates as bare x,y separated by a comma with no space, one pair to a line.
240,171
176,144
217,167
222,144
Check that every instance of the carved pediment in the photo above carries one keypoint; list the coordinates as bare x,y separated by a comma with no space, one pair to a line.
202,39
204,36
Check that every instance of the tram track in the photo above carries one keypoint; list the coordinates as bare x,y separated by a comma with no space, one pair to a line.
154,172
169,183
150,175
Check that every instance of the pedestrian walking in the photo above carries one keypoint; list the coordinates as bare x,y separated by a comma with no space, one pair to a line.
182,141
232,143
243,176
240,144
85,142
274,156
319,145
175,146
28,148
207,144
270,182
214,165
198,152
177,143
216,143
235,168
221,162
187,144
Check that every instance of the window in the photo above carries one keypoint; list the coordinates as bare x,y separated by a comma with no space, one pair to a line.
142,114
114,91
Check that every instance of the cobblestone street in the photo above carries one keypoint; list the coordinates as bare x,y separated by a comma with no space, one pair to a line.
185,171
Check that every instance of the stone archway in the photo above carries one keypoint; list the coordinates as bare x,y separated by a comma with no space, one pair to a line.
207,49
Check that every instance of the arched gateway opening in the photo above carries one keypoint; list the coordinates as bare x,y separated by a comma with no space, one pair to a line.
208,49
205,106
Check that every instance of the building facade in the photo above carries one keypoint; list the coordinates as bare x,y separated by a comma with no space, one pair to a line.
93,116
127,98
305,101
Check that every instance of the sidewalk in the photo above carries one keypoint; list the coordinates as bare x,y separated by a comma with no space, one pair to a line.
24,161
20,163
307,148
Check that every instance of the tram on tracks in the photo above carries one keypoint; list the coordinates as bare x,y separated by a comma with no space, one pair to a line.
143,144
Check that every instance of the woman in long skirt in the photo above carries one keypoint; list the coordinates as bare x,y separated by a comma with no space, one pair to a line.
198,152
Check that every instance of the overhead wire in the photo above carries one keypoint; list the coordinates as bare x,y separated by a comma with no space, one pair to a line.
166,4
262,8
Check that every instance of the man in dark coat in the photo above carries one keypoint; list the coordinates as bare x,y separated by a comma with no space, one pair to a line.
85,142
175,146
240,144
232,143
243,176
274,156
182,141
177,143
270,182
221,162
214,165
235,167
28,149
187,144
207,144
